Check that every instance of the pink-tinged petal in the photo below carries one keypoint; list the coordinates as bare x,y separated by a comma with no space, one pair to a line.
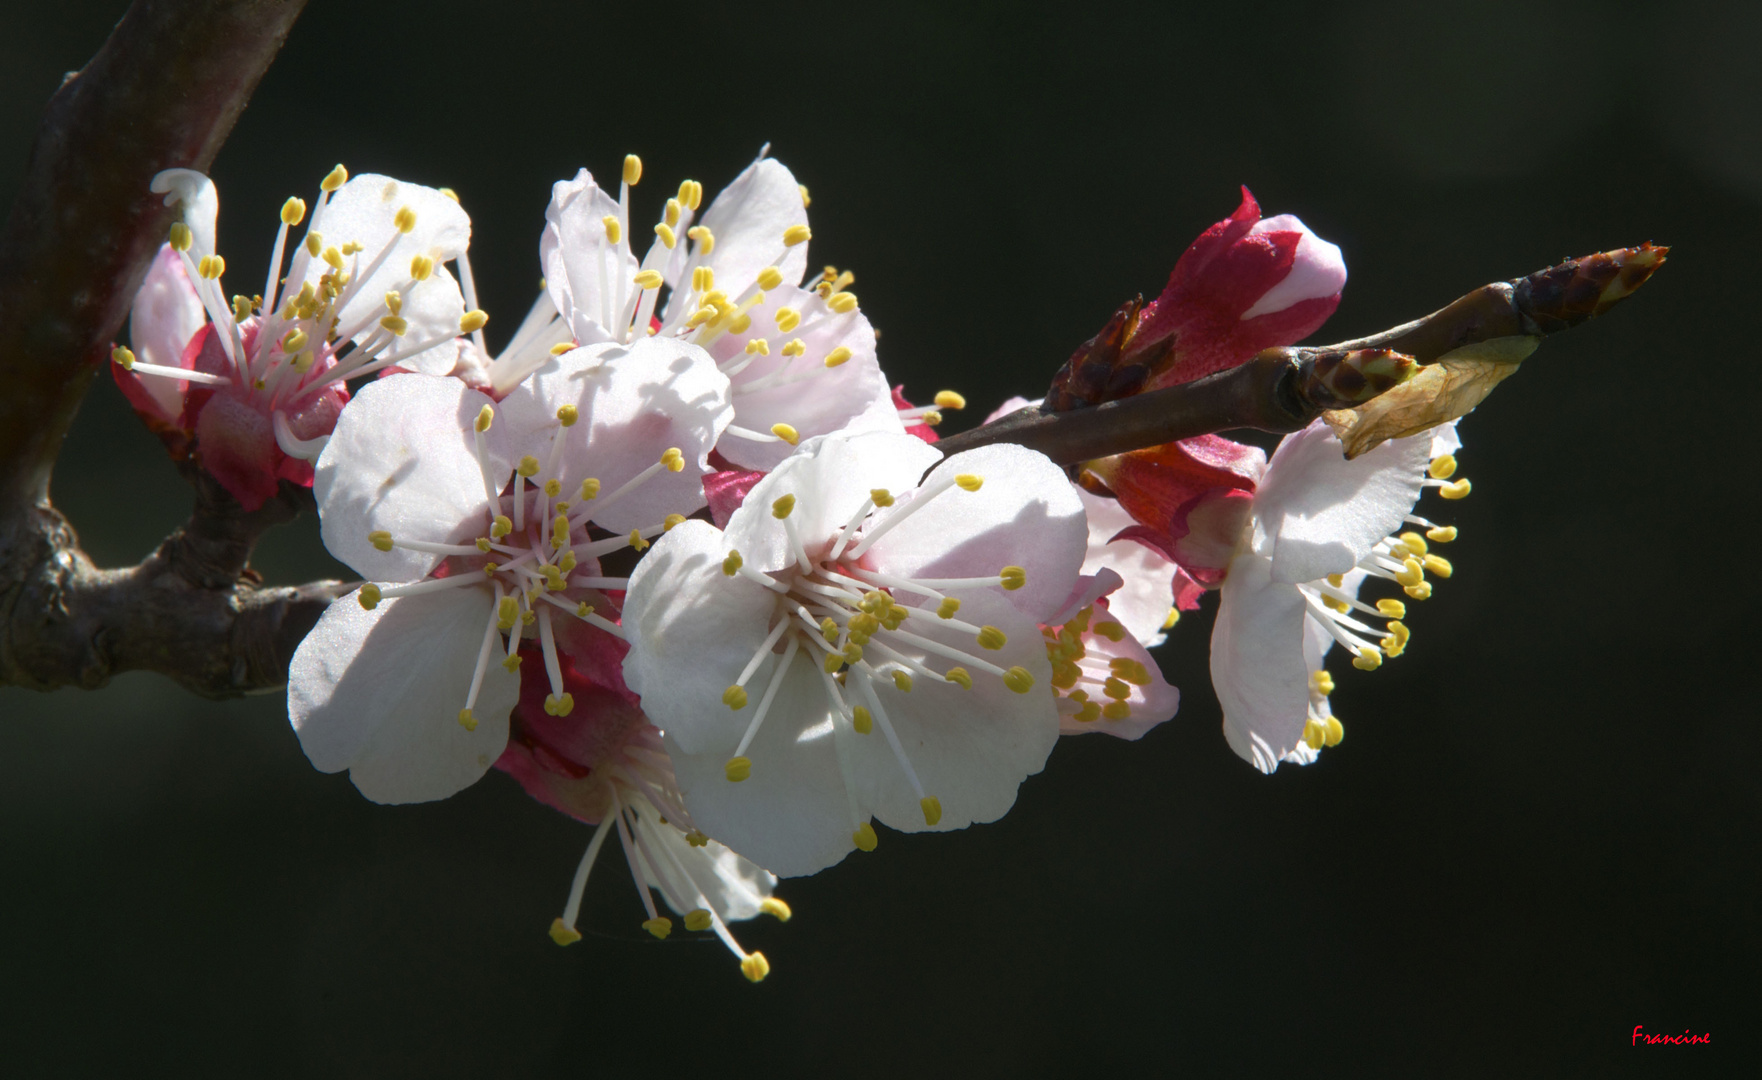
1189,498
971,749
200,204
1149,704
726,489
204,353
792,813
830,479
557,758
920,431
1090,588
748,219
236,441
1227,298
1025,513
165,316
635,403
1317,513
571,253
1257,663
1011,405
402,459
693,629
379,692
1146,592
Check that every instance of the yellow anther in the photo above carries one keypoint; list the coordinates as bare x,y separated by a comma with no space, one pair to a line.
562,347
501,526
1337,580
829,629
1394,609
794,347
1335,604
1322,682
566,415
180,237
336,178
990,637
755,967
672,213
788,319
852,653
1457,490
404,220
528,466
451,194
1335,731
780,509
861,720
559,531
1013,577
507,610
691,193
796,234
293,211
696,839
1368,659
483,544
614,228
211,267
732,564
758,347
241,308
314,245
703,278
775,908
932,809
1422,591
665,232
947,608
293,341
950,399
562,934
632,169
673,459
930,418
959,677
1116,710
1129,670
660,926
1411,572
968,482
512,663
1413,542
1116,689
670,521
738,769
369,596
421,267
636,541
583,609
805,201
832,663
394,303
350,247
741,324
1174,617
474,320
1018,679
1112,631
1443,467
1443,534
734,697
786,433
864,838
649,279
770,278
842,303
903,681
697,919
589,488
380,539
122,355
1439,566
466,720
1315,734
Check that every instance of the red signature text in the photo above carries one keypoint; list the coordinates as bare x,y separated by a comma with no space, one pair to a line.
1687,1038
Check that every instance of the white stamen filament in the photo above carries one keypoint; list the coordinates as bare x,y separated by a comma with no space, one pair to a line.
918,502
771,689
572,909
886,725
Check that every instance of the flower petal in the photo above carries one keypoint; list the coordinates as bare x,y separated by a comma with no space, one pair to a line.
1257,663
581,266
1142,602
379,692
165,316
364,211
402,460
748,219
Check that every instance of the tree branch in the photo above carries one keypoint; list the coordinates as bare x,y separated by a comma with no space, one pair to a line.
163,92
1284,389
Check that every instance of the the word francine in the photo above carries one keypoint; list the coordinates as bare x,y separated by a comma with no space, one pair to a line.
1676,1040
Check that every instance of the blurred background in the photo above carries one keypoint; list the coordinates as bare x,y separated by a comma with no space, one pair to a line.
1541,830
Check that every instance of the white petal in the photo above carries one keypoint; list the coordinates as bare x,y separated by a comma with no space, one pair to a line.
1319,270
201,204
379,692
792,813
1257,665
166,315
1318,514
830,478
1143,602
971,749
636,402
1025,514
691,630
748,219
571,252
364,211
402,460
731,886
433,309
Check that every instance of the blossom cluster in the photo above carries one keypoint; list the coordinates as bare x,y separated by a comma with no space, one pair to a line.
681,561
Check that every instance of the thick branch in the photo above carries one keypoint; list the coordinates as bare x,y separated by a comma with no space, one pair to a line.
163,92
1284,389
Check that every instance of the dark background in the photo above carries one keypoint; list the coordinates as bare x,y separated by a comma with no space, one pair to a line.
1541,829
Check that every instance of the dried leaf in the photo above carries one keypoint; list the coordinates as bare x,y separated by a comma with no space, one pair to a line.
1442,391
